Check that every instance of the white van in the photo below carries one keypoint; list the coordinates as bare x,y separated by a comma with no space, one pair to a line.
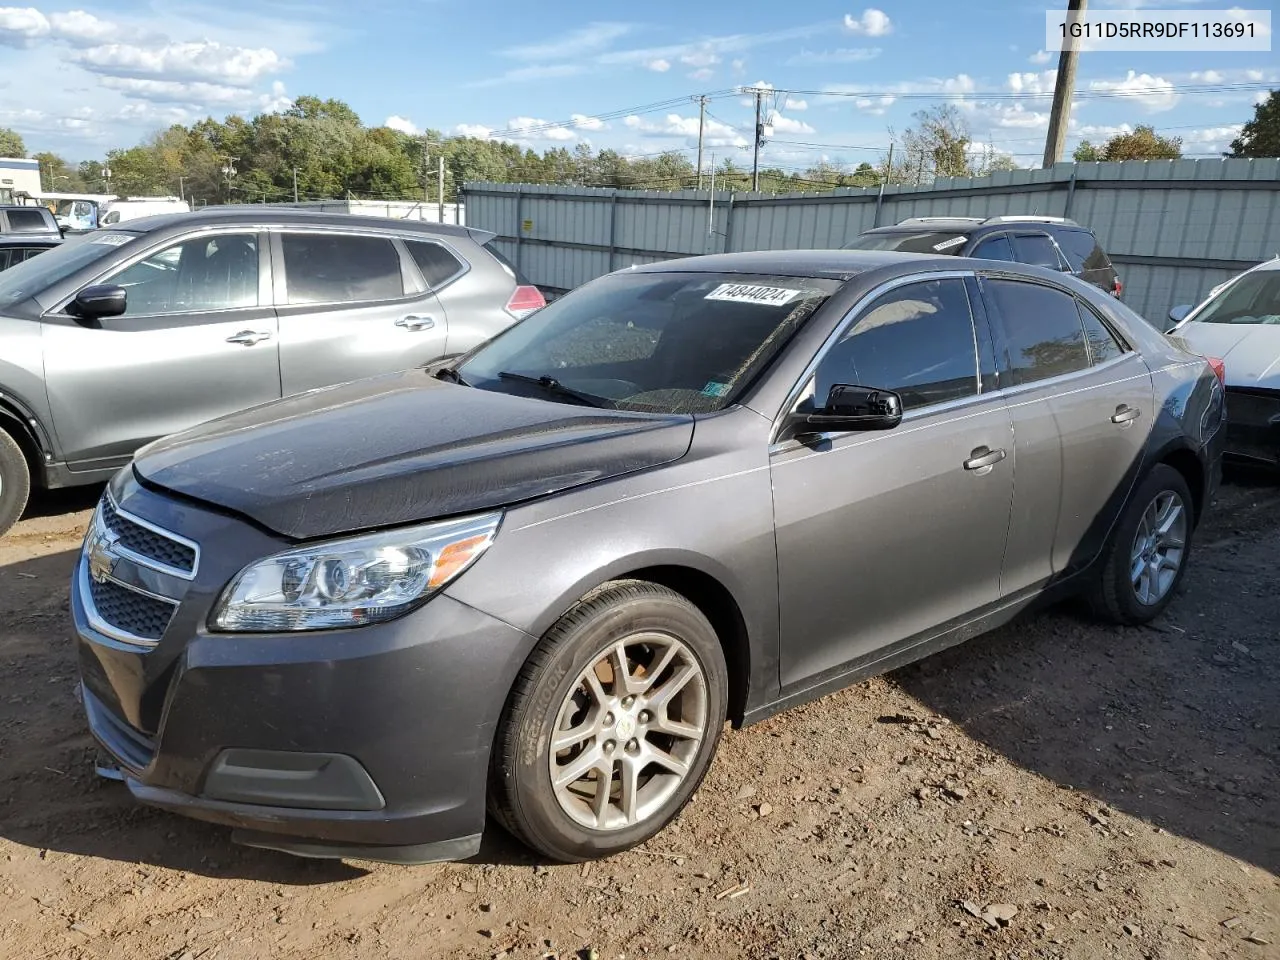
131,208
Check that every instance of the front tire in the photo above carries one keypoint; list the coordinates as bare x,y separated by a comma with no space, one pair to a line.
611,724
1147,555
15,482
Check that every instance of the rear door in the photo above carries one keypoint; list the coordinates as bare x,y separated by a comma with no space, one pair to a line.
1081,403
351,305
197,340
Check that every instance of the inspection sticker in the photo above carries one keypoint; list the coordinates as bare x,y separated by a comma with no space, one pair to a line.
112,239
948,244
753,293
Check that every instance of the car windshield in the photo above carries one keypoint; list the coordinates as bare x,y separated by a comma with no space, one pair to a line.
653,342
914,241
32,276
1253,298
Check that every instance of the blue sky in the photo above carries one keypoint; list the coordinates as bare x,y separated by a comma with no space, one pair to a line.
82,78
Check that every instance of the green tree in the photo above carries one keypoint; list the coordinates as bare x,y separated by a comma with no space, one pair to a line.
11,144
1142,144
1086,152
57,175
1260,137
864,175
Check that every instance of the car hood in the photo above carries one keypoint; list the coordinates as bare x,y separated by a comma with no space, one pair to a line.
1251,351
401,449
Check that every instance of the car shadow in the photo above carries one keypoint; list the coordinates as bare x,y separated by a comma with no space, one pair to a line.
55,503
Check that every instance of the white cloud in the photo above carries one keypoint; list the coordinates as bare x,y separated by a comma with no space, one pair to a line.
1015,117
739,66
872,23
1035,83
876,106
77,26
546,71
1211,139
702,57
783,124
402,124
715,133
180,91
583,122
532,128
585,40
20,25
1261,97
795,105
1208,76
1156,94
706,73
1100,133
1040,57
473,130
277,101
841,55
197,60
658,65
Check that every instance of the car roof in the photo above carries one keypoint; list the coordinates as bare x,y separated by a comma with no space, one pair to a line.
831,264
260,214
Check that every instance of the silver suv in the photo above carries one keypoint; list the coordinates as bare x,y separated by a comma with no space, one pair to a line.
128,334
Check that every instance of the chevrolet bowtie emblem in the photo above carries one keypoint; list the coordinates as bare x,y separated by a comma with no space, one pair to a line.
101,558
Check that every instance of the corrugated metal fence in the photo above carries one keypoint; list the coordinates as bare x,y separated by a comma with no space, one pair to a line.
1173,228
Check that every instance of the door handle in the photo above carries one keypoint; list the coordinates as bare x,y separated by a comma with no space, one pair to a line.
416,322
249,338
1125,414
983,459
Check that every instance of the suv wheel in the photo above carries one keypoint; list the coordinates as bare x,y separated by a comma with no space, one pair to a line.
611,724
15,482
1147,556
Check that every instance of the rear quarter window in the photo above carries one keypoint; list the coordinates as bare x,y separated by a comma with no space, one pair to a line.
1082,250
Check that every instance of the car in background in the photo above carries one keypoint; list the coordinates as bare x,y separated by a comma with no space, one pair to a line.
15,248
25,222
542,577
122,209
128,333
1055,243
1239,322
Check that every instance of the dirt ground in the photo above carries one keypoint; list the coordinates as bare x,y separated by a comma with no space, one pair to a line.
1093,792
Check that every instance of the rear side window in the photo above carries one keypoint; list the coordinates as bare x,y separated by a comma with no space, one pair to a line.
994,248
1042,329
436,263
28,221
1036,249
1082,250
333,268
916,340
1103,345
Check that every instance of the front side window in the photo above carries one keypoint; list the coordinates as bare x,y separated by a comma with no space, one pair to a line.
1253,298
656,342
1037,249
34,276
335,268
1042,329
916,340
211,272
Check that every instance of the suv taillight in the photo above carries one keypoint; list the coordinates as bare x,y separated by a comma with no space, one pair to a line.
1219,369
1117,288
524,301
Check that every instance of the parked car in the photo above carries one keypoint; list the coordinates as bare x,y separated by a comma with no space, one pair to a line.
1051,242
1240,322
122,209
32,221
544,575
127,334
15,248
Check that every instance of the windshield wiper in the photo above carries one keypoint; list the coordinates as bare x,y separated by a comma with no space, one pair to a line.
450,374
555,387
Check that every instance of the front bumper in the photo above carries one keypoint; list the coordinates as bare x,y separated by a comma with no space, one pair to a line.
369,743
1253,425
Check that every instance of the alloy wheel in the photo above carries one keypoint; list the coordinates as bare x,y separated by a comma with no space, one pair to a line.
1159,546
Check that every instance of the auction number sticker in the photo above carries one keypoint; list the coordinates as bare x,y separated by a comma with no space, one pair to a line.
112,239
948,244
753,293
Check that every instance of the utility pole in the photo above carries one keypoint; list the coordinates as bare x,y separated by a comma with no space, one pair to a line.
711,206
295,184
702,120
426,177
182,190
755,156
440,176
1063,87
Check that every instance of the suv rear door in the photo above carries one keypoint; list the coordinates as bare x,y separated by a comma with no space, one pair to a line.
350,305
196,341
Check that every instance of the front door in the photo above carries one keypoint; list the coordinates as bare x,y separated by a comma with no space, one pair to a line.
352,306
197,340
885,536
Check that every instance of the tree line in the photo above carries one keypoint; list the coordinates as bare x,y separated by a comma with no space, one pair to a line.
320,149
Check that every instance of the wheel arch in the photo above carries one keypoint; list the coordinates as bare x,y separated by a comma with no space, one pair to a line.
1189,464
20,424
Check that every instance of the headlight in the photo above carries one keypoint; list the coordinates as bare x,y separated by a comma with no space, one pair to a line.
350,583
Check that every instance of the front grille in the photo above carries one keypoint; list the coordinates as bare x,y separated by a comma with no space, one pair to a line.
147,543
135,613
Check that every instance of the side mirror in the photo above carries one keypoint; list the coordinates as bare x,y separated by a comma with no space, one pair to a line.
849,408
1177,315
98,301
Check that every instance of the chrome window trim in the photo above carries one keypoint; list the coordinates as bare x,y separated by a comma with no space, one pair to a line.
798,389
149,562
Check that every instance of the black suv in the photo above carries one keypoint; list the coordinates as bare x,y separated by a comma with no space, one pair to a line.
1053,242
28,221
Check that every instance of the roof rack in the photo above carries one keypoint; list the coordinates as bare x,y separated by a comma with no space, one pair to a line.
936,219
1030,218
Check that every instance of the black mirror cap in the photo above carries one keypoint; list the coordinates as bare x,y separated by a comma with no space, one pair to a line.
851,408
1177,315
100,300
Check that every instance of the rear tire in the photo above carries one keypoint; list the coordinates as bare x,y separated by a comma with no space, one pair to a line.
572,720
15,482
1146,558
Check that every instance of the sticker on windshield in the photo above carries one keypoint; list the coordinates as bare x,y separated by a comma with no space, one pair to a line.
948,244
753,293
112,239
715,388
